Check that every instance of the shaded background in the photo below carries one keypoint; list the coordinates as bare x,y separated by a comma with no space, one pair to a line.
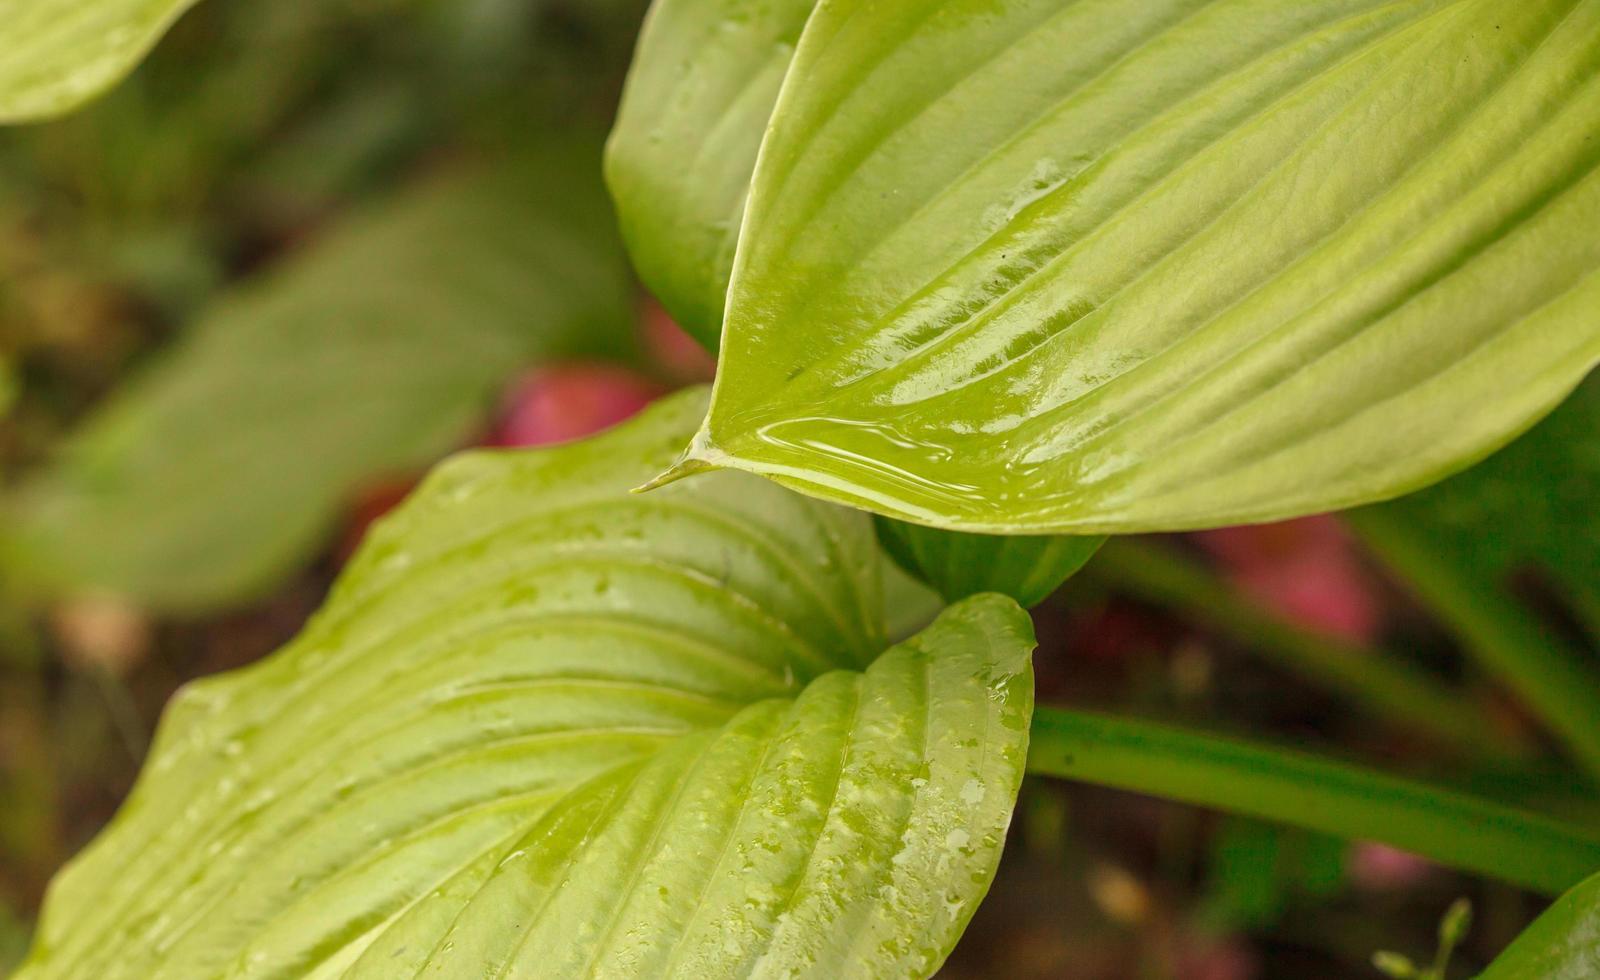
314,245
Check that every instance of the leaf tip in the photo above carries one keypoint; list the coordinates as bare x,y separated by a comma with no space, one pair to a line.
695,459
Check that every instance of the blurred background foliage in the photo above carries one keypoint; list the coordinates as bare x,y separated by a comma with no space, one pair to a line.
312,246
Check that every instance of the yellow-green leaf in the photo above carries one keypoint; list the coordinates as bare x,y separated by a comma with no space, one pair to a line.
1081,265
58,54
546,727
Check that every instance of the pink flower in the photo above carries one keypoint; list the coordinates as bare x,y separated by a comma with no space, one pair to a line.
679,355
549,405
1306,570
560,403
1379,867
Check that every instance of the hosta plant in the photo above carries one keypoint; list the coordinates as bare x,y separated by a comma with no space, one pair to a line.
981,275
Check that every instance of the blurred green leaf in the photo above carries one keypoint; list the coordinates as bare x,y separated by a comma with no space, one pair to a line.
1248,886
61,53
367,356
699,94
1562,944
1081,266
1533,505
13,938
1257,869
958,565
546,727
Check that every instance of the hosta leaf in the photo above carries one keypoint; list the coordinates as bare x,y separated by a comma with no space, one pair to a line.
698,98
60,53
1049,265
371,354
1026,568
1530,505
548,728
1562,944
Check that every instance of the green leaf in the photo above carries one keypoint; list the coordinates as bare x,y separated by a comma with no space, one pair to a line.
368,356
1076,265
61,53
1027,569
1562,944
699,94
548,728
1531,505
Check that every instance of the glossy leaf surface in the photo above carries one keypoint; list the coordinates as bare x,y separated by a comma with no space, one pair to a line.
699,94
1080,265
1562,944
1026,568
60,53
371,354
546,727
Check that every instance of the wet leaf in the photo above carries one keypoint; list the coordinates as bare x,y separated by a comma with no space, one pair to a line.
546,727
1045,265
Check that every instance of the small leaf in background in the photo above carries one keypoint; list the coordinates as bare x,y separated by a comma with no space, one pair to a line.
958,565
528,671
699,94
61,53
369,355
1452,930
1076,265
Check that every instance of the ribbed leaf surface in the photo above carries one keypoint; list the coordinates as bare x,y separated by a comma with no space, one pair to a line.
548,728
370,355
60,53
1087,265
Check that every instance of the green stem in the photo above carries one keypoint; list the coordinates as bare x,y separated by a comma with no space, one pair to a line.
1381,684
1509,642
1301,790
